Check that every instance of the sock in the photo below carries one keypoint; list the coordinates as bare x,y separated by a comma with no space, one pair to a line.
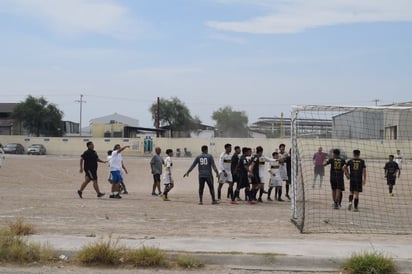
219,193
350,198
230,192
280,192
236,195
260,193
356,203
276,193
340,198
287,189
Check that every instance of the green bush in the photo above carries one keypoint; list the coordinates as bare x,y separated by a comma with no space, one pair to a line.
101,253
188,262
370,263
21,228
146,256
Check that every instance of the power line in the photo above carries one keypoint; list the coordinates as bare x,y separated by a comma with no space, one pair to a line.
81,101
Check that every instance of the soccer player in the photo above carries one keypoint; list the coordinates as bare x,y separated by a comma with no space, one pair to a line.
167,176
233,167
205,164
355,172
336,177
156,165
283,168
242,173
2,155
88,164
275,178
225,175
398,160
116,166
254,174
319,169
391,169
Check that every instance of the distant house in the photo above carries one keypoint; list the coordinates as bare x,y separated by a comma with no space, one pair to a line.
119,126
9,126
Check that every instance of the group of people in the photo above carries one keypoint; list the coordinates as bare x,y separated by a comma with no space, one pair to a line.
355,171
240,170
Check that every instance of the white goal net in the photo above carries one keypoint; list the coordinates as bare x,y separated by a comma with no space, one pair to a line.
377,132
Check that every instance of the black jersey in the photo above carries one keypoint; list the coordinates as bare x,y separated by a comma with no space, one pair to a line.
255,171
90,159
243,166
336,169
356,167
391,168
234,164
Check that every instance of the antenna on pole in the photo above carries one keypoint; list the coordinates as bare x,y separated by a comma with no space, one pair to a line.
376,101
81,101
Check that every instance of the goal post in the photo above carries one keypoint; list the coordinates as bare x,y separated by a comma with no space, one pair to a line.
376,132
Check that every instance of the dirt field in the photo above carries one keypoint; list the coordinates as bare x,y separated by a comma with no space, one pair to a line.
42,189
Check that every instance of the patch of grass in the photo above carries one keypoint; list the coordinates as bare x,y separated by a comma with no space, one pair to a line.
21,228
188,262
370,263
146,257
15,249
101,253
91,235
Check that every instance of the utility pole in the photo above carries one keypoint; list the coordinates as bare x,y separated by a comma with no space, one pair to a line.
376,101
81,101
158,117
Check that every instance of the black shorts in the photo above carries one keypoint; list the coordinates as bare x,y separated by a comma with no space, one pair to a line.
356,186
156,177
391,181
319,170
337,184
243,182
91,174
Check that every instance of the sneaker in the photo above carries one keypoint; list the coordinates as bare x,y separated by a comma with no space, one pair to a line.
350,206
280,200
336,206
200,203
160,193
215,202
234,202
355,210
100,194
164,197
269,199
80,194
115,196
252,202
154,194
392,194
260,200
238,199
287,196
125,192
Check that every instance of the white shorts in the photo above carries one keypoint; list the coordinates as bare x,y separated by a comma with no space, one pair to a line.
273,182
225,179
167,180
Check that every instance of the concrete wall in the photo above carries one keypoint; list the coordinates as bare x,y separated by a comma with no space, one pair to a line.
374,149
76,145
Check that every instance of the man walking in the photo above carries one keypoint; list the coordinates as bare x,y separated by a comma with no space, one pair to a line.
156,165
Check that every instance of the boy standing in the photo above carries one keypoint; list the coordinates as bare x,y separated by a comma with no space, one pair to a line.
319,169
205,164
225,175
88,164
391,169
167,176
275,178
336,177
116,166
355,171
156,165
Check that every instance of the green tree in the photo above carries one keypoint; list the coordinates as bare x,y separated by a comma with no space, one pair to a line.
174,114
230,123
38,116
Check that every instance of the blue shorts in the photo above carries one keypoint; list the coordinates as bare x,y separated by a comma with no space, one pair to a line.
116,176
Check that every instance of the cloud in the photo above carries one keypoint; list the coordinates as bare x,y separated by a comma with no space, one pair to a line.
76,16
295,16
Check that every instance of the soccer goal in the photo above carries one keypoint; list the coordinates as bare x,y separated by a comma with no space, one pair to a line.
377,132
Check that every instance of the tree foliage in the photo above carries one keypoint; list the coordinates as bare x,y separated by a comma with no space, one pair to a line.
38,116
174,114
230,123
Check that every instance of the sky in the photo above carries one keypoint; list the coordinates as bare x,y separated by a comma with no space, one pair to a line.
258,56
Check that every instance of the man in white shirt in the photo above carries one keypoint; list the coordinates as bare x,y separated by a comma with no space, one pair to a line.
225,173
116,165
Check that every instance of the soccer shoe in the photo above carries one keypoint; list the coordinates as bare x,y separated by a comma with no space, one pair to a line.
350,206
100,194
392,194
355,210
154,194
336,206
80,194
260,200
287,196
113,196
252,202
200,203
125,192
164,197
280,200
215,202
234,202
269,199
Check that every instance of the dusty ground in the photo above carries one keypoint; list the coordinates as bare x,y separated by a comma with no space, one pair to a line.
42,189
